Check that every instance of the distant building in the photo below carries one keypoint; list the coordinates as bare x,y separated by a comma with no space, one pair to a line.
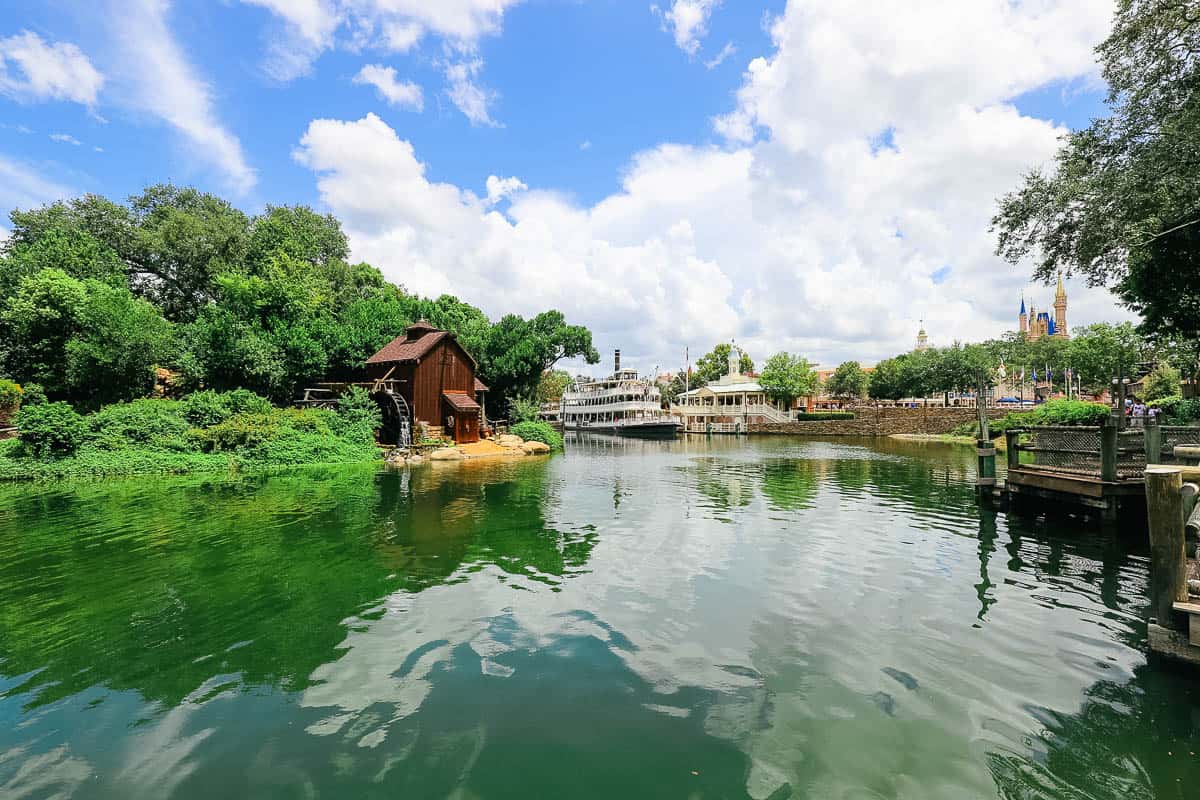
728,405
1035,324
922,338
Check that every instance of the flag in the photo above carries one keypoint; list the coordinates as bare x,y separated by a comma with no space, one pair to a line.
1049,375
1022,374
1035,377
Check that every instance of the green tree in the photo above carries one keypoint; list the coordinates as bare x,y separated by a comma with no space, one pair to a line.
715,364
552,385
885,383
518,351
1120,205
847,381
37,322
1104,351
300,233
786,377
1163,381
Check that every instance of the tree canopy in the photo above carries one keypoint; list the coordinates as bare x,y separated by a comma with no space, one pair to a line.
786,377
847,381
715,364
95,294
1121,205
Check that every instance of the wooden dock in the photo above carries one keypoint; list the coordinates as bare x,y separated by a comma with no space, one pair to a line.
1171,512
1089,469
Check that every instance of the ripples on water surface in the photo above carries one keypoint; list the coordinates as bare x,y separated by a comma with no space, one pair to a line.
766,618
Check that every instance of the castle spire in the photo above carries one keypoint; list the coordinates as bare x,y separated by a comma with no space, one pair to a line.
1060,309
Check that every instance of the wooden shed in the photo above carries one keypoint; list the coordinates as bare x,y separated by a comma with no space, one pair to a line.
437,379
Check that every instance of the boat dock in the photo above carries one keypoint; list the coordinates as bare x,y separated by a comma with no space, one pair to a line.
1095,469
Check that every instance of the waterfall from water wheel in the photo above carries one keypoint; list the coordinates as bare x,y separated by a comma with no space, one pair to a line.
397,419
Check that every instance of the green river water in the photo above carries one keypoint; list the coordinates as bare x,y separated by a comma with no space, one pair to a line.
763,618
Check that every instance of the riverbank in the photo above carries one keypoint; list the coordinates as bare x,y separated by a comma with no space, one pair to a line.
207,432
945,438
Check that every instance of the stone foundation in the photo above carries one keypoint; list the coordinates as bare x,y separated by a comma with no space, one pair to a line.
881,422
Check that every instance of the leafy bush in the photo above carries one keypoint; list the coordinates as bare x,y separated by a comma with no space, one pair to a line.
1055,412
358,414
538,432
51,429
244,401
813,416
159,422
206,408
1176,410
10,394
35,395
522,410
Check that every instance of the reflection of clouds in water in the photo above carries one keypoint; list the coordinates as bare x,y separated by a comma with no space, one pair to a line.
794,615
53,774
158,759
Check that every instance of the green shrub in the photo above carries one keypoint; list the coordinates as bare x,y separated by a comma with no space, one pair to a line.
522,410
815,416
244,401
358,414
35,395
538,432
1184,412
51,429
1055,412
10,394
147,421
206,408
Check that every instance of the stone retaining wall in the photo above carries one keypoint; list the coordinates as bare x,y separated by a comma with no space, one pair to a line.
881,422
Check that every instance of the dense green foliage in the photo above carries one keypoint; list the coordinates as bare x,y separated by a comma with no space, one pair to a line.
538,432
552,384
1163,381
786,377
51,429
95,295
10,394
1120,205
847,381
206,431
925,372
1174,410
523,410
715,364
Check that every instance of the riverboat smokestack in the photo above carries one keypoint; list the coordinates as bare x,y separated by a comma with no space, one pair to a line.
616,361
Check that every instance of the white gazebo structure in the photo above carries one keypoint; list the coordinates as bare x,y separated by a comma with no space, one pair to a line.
729,405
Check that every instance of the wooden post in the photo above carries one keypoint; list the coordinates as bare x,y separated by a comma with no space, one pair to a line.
1168,558
985,476
1153,435
1108,451
1012,441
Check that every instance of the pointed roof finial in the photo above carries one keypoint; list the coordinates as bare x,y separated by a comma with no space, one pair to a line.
1061,293
1022,304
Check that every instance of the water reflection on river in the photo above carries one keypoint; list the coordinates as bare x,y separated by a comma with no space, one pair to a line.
703,618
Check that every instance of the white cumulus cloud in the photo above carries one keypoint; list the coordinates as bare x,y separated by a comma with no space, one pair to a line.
65,138
33,69
687,21
405,94
868,150
499,188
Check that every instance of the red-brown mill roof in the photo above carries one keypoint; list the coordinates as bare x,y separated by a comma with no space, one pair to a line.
461,401
480,386
402,349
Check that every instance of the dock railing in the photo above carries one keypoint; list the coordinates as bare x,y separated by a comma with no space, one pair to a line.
1101,452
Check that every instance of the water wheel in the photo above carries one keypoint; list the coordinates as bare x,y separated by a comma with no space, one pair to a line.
397,419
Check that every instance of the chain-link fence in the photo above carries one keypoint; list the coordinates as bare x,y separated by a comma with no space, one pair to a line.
1071,449
1079,450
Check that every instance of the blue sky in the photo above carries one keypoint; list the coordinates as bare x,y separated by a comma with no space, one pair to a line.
672,175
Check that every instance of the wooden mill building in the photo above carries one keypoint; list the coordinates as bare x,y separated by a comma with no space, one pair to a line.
436,377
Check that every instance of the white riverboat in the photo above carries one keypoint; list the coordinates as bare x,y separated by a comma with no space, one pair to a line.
622,403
